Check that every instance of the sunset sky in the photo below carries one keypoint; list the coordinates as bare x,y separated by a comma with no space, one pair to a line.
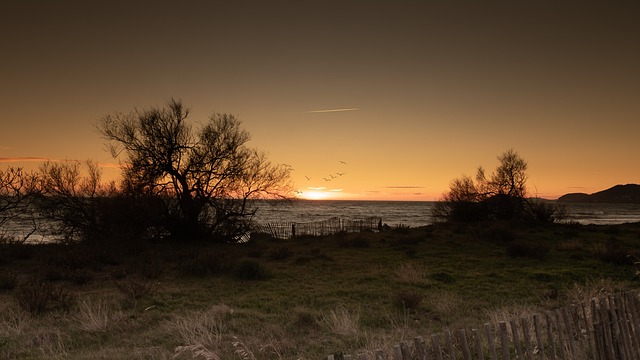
399,97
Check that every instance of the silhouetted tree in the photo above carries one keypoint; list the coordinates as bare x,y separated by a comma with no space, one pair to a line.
500,195
71,195
17,190
204,177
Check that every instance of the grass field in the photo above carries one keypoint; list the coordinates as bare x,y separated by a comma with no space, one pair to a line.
298,299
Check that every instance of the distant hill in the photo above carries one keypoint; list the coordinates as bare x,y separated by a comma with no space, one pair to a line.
619,194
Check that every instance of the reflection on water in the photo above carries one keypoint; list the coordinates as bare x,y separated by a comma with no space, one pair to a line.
418,213
603,214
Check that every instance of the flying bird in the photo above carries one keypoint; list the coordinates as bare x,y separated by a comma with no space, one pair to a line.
340,174
325,179
308,177
343,162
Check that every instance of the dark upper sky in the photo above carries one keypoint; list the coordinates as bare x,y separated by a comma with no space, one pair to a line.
433,88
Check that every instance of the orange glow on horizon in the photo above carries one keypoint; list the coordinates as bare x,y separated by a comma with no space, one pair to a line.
315,195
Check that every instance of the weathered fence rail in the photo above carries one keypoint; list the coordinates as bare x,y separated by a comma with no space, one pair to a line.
607,328
288,230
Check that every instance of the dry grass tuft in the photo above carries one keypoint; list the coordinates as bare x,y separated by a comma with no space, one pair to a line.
198,351
14,321
578,293
243,351
513,313
51,345
446,303
202,332
96,316
570,245
411,273
343,322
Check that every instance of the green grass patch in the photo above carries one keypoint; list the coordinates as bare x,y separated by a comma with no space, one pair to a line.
303,298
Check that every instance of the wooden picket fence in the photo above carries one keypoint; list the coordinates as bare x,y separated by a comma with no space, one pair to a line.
289,230
607,328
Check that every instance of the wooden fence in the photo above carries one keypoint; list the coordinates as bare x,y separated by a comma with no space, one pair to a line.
289,230
607,328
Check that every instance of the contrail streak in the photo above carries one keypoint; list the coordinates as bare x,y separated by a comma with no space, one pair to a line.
331,110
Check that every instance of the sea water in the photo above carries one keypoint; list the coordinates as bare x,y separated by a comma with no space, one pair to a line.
419,213
392,213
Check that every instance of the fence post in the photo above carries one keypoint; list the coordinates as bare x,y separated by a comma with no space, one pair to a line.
504,341
406,352
492,347
478,343
436,347
536,325
567,324
466,353
516,339
397,352
450,348
528,345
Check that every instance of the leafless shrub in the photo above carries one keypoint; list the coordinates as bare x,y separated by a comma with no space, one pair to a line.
135,288
36,296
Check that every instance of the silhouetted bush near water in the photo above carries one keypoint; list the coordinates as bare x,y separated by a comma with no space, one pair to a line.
501,196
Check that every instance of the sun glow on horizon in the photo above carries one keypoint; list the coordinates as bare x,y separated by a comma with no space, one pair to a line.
315,195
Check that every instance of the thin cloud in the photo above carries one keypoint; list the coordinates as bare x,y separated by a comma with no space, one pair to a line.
336,190
404,187
22,159
316,188
110,165
330,110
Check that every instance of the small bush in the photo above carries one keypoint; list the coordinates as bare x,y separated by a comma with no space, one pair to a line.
407,299
527,250
135,288
206,263
7,282
613,253
280,253
303,321
499,233
36,296
356,241
443,278
251,270
570,245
